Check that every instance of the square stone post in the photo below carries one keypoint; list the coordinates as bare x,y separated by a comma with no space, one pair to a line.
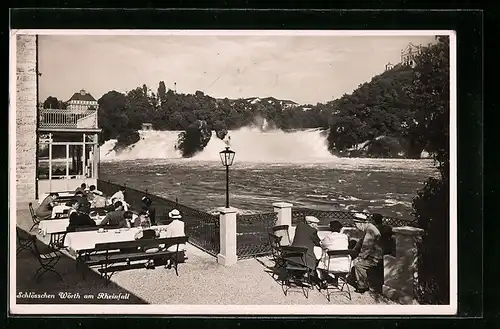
401,271
284,212
227,219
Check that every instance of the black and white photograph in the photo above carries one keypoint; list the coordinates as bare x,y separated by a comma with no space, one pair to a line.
232,172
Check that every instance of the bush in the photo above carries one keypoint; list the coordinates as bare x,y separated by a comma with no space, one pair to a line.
431,208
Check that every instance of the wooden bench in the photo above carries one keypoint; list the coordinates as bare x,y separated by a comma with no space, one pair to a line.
119,256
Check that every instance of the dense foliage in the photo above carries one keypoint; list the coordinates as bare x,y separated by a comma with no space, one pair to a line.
53,103
381,107
194,139
431,101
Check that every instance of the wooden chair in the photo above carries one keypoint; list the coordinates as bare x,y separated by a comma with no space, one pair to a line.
282,231
25,241
340,275
34,218
57,240
47,262
276,253
295,271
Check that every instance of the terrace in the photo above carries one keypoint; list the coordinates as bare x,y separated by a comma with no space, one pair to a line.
247,282
67,119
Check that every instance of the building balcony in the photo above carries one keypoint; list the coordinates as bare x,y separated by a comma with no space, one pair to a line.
67,119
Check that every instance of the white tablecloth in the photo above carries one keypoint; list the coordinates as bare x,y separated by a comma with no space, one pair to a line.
59,209
51,226
86,240
61,194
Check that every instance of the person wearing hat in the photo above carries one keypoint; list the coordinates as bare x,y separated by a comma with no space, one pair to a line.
149,209
306,235
370,255
80,218
386,234
174,228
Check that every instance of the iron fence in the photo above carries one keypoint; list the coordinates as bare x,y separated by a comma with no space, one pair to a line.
202,228
252,231
344,217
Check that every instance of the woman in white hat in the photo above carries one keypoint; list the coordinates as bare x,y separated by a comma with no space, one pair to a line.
174,228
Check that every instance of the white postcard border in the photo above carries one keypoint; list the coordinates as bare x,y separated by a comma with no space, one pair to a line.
398,310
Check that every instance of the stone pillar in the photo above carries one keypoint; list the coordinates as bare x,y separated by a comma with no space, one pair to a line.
26,117
227,255
401,271
284,212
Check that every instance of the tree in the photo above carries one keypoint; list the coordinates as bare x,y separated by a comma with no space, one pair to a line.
53,103
112,115
430,95
162,92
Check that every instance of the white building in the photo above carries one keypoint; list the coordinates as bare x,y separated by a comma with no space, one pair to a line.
409,54
81,101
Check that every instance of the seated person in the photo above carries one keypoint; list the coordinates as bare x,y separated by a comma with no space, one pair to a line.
120,196
92,193
94,190
44,210
80,218
142,220
333,241
148,207
306,235
81,188
386,235
174,228
116,218
82,197
370,255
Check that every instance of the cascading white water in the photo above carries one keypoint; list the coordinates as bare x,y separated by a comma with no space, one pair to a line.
250,144
153,145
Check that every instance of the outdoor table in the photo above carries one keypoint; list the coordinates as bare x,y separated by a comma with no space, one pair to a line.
54,226
85,241
58,210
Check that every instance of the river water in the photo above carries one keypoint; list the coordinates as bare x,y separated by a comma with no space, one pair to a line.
268,167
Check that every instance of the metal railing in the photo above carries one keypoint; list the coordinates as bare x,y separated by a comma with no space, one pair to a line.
202,228
252,234
64,118
344,217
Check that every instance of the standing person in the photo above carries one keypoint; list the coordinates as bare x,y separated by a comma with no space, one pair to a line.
119,196
306,235
386,235
44,210
333,241
147,206
370,255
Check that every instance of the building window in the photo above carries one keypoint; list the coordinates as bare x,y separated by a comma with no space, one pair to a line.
67,156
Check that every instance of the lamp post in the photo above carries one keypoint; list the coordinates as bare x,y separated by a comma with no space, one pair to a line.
227,157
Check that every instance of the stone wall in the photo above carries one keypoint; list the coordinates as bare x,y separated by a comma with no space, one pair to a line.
26,99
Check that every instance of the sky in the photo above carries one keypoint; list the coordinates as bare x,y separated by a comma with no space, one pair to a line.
304,69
